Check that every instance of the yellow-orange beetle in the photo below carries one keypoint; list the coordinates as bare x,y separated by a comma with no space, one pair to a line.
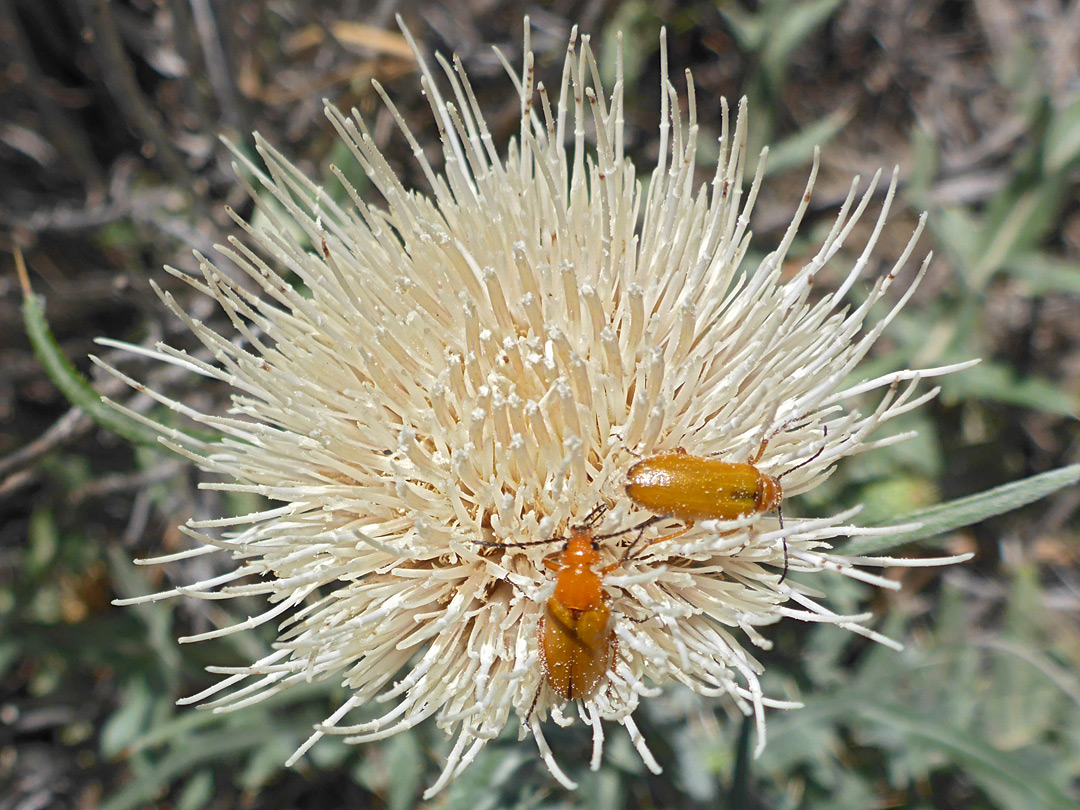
691,488
577,641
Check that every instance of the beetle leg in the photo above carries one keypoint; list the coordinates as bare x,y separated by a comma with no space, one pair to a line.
689,525
632,619
761,451
532,706
552,561
615,653
627,554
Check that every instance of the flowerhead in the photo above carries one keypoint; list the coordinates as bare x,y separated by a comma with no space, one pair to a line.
426,386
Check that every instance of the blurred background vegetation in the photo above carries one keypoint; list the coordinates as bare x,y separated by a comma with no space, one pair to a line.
110,167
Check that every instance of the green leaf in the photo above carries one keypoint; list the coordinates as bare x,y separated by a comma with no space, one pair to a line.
925,166
1063,138
972,509
747,28
478,787
128,580
1003,777
196,753
11,653
197,791
798,149
640,30
1024,699
125,725
793,23
406,763
341,157
741,779
266,762
959,233
1018,219
43,539
1041,274
602,790
72,384
998,382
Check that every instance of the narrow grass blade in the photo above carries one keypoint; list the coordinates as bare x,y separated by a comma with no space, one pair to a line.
945,517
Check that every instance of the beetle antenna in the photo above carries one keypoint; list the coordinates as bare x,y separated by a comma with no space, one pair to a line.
640,534
801,464
779,511
642,526
629,450
595,515
525,544
780,517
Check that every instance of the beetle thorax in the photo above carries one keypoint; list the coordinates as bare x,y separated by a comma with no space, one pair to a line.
769,494
579,589
578,585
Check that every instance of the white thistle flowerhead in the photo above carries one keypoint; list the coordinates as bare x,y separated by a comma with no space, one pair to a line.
471,369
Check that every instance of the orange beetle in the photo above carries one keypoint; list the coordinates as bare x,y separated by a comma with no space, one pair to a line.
691,488
577,641
575,636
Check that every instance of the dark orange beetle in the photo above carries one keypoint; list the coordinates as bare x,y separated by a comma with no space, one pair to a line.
577,641
576,637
